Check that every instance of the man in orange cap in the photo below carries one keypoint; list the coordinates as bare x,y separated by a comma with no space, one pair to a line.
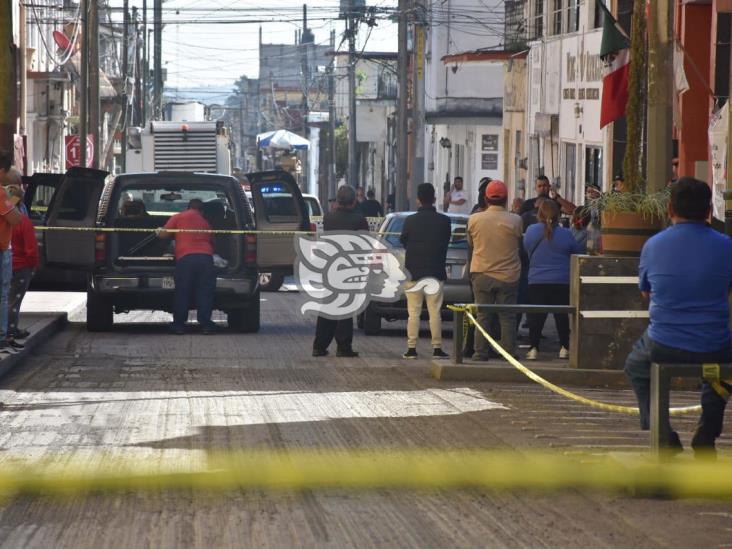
495,268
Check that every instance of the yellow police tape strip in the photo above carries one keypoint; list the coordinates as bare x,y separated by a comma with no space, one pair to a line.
172,231
379,469
632,410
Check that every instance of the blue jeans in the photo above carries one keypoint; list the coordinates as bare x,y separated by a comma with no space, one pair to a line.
194,276
6,275
638,369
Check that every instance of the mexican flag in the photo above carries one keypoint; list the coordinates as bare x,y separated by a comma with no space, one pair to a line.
615,54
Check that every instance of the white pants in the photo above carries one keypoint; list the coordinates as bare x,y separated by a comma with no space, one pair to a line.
414,307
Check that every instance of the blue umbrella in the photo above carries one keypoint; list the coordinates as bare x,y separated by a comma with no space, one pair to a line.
282,139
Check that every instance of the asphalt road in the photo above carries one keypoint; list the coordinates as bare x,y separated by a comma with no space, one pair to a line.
138,392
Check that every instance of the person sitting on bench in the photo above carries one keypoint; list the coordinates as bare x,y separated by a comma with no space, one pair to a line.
686,270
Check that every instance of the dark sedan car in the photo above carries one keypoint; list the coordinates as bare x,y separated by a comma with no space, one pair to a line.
457,285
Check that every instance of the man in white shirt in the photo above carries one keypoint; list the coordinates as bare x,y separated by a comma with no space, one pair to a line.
458,198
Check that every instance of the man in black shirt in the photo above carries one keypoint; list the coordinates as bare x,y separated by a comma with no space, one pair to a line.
425,236
544,189
343,219
371,207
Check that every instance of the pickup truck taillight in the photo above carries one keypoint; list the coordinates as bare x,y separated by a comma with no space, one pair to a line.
100,248
313,228
250,252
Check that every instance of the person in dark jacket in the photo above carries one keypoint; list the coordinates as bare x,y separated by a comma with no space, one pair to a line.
425,236
371,207
343,219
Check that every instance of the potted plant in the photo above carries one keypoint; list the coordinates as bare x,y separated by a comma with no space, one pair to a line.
635,213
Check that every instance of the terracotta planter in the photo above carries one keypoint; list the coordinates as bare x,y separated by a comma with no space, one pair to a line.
624,233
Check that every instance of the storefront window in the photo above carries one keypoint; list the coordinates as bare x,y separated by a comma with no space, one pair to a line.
593,166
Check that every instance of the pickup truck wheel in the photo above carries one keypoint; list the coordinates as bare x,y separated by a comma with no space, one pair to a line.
99,313
245,321
270,282
371,322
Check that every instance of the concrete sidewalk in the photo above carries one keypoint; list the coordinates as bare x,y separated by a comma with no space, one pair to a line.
43,314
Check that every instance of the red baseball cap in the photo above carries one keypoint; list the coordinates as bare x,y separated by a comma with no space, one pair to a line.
496,190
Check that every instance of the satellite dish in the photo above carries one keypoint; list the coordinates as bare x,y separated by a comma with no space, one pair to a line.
62,41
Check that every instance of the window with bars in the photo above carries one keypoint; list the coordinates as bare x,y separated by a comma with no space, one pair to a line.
557,12
572,16
537,26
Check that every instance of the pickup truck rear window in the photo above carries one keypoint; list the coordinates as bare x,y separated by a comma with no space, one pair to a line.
166,202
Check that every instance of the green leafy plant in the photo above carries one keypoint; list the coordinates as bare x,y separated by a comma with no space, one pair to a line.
651,206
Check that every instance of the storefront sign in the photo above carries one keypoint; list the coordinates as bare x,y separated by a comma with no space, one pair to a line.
489,142
489,161
582,68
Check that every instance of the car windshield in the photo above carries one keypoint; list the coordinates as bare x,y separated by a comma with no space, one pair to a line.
138,201
458,227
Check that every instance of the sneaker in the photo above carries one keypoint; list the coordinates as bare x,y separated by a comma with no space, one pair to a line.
533,354
15,344
411,353
674,443
563,352
5,348
21,334
320,352
439,353
348,353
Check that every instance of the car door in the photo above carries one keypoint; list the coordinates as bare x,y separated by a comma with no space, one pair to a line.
40,189
278,206
74,206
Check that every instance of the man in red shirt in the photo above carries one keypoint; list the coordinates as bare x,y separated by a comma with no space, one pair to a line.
25,262
194,267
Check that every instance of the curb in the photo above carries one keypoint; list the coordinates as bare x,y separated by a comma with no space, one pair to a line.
48,328
503,373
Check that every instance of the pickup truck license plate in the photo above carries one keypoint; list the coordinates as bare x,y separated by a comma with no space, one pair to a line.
168,283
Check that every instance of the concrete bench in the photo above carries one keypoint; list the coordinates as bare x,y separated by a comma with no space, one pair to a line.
459,319
661,375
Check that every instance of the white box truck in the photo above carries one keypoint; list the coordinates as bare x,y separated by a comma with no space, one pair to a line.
202,147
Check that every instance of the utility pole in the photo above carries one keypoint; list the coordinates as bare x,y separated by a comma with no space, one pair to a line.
306,38
660,94
145,67
331,192
137,72
401,196
94,107
8,118
418,106
84,82
158,60
352,144
125,72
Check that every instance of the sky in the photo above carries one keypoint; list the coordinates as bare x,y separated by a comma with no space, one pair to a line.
201,54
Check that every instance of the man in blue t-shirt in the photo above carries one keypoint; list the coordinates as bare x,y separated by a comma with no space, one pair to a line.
686,270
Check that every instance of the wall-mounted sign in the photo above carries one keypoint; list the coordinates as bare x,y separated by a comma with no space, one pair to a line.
489,142
489,161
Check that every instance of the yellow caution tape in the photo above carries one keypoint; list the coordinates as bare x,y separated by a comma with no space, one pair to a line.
172,231
632,410
377,469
